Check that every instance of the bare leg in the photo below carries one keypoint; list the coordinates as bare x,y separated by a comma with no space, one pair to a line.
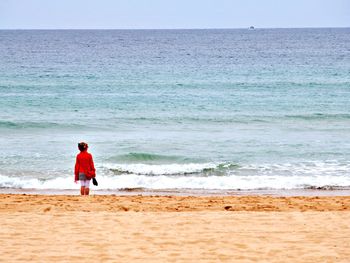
87,190
82,190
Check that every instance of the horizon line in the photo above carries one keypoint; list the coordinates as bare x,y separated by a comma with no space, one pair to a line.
194,28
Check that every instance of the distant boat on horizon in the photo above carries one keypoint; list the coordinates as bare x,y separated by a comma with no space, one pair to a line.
251,28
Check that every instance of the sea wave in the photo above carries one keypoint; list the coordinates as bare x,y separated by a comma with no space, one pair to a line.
147,157
319,116
174,169
235,119
159,182
331,168
226,176
164,169
35,125
239,119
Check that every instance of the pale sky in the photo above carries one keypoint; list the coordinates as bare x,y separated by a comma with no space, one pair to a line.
159,14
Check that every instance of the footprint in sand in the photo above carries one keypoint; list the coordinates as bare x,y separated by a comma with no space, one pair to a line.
47,209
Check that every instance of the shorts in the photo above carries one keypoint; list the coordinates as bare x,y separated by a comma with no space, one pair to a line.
82,176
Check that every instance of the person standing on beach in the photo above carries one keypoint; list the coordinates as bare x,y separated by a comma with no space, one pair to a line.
84,168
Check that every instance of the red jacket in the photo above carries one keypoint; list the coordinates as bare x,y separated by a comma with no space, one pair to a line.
84,164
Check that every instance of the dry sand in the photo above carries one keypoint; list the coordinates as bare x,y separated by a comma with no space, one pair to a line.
43,228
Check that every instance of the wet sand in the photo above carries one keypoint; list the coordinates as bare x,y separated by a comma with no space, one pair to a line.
326,191
43,228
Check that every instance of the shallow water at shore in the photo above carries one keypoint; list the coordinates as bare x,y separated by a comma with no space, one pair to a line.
184,192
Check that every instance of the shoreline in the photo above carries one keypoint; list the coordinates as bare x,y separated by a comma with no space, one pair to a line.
185,192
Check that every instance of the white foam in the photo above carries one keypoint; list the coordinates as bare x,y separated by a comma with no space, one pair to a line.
177,176
222,182
183,182
161,169
33,183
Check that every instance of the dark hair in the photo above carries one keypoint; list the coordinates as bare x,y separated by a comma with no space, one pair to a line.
82,146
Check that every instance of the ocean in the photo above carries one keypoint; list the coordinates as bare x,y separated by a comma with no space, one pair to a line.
232,109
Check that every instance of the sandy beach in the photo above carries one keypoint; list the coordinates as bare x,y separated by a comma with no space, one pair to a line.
43,228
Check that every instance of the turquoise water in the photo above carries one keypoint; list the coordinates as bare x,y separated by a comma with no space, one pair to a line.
204,109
